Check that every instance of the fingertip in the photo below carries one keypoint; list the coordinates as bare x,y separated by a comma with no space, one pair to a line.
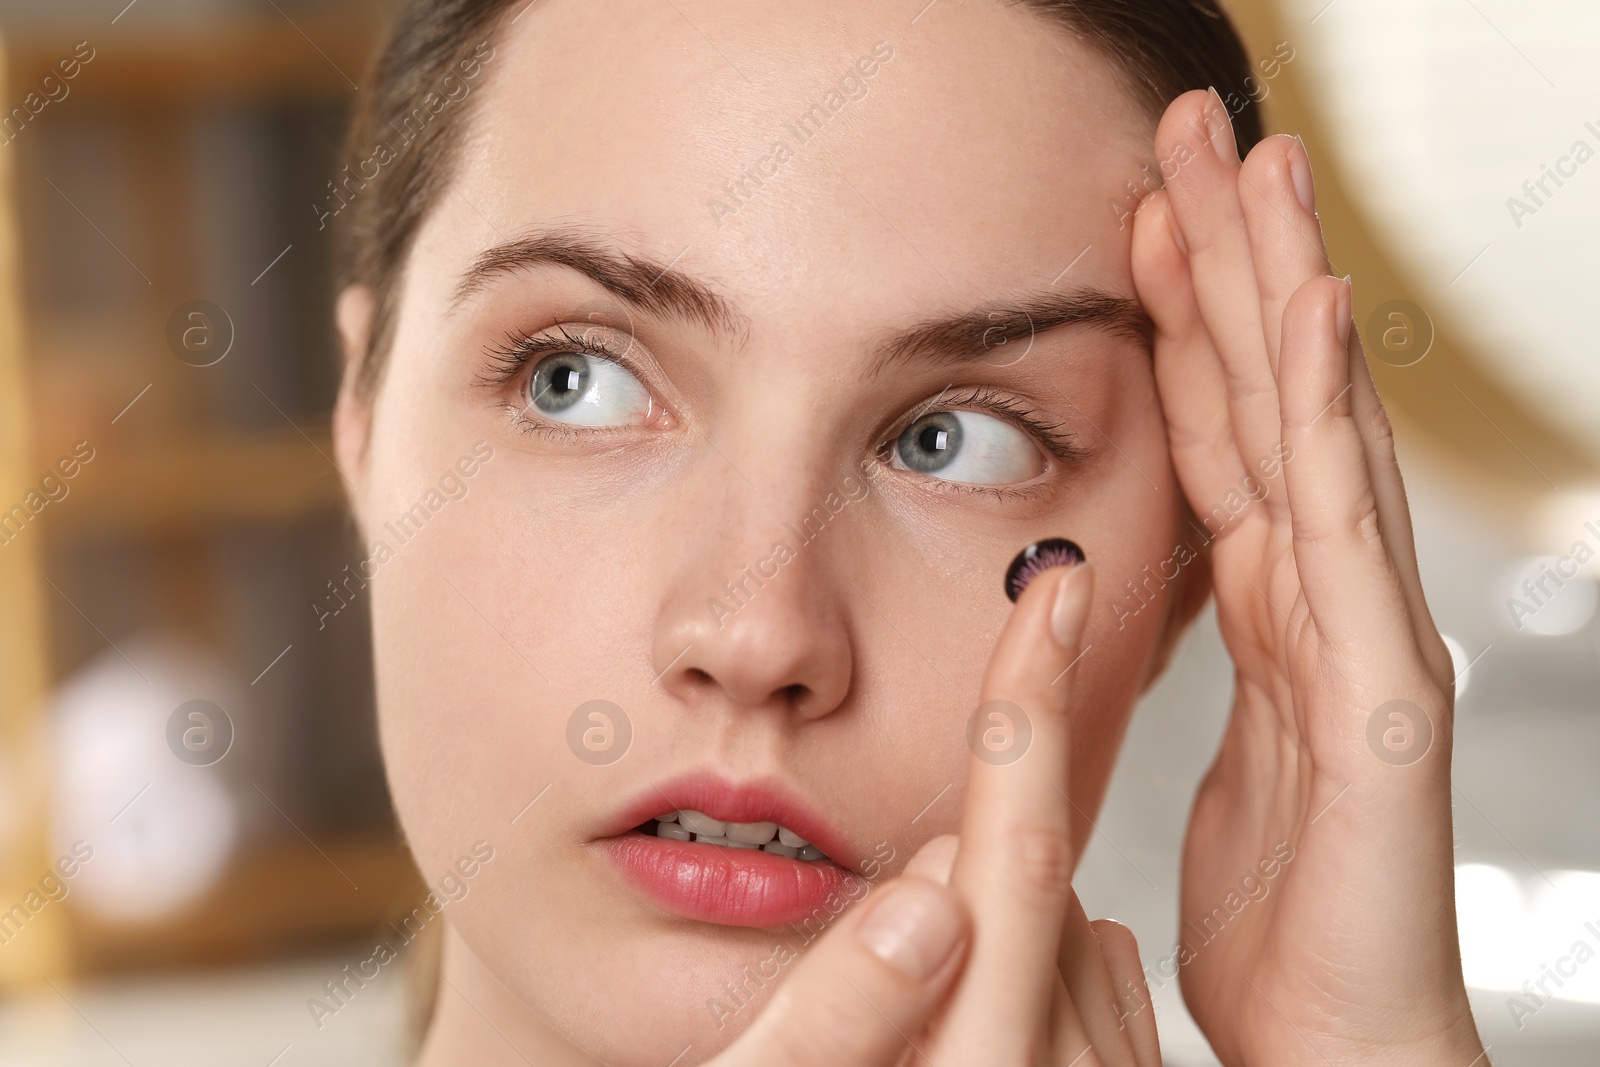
935,860
1314,381
1112,932
1268,164
1341,311
916,927
1185,114
1311,314
1071,608
1305,185
1219,128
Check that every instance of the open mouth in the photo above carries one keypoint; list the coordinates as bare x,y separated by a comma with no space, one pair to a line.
762,867
688,825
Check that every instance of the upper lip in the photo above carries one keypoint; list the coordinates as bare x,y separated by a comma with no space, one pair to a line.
764,799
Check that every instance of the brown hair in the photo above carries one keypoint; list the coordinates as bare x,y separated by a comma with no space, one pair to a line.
408,121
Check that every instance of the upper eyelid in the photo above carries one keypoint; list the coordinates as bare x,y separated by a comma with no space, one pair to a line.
520,349
1059,446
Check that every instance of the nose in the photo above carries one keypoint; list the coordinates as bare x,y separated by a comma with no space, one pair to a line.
755,618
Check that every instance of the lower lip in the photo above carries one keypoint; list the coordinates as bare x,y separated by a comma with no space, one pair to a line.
729,886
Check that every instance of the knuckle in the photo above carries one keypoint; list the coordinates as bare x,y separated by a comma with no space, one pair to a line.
1369,528
1381,433
1040,860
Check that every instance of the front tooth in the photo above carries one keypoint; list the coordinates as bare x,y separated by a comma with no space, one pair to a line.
811,852
674,831
699,823
741,844
752,833
780,849
789,837
710,840
669,818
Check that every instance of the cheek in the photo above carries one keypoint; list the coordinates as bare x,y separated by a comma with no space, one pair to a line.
1131,525
510,608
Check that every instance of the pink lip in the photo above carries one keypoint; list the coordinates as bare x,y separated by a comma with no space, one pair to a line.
711,883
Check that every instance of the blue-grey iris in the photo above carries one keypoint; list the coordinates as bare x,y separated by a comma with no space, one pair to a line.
559,381
931,442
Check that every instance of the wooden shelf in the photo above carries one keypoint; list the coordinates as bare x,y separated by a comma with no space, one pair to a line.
272,478
271,902
316,57
168,112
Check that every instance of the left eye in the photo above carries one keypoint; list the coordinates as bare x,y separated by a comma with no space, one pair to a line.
966,446
584,390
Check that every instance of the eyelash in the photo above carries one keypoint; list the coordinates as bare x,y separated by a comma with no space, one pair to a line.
521,350
1049,434
518,350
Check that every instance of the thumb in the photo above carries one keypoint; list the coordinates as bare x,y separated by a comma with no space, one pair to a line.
867,987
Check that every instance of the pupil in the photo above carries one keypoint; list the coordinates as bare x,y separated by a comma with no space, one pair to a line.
559,382
932,442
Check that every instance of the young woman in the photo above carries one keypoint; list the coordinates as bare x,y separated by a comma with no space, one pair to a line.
707,368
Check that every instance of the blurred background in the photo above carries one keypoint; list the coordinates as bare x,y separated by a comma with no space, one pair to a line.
194,831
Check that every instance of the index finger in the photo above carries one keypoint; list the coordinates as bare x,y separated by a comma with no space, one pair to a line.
1016,857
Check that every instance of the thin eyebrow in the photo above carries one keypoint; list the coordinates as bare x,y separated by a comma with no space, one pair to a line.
970,336
641,281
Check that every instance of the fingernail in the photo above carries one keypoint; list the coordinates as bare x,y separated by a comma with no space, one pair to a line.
1220,128
1300,171
1038,558
1341,312
913,928
1066,615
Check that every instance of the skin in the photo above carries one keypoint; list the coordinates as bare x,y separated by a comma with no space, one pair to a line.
1353,958
579,565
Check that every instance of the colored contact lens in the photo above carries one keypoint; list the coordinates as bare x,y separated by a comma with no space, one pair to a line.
1038,558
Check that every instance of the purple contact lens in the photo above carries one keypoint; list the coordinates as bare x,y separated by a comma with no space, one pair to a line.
1038,558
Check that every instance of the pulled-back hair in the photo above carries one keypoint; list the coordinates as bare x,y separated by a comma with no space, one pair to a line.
413,109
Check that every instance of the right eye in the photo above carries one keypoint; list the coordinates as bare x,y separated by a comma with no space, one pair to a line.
583,390
967,447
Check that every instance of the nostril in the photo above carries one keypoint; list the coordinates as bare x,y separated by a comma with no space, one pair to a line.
698,676
795,693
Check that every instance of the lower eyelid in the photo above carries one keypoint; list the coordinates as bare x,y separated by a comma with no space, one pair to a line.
1036,489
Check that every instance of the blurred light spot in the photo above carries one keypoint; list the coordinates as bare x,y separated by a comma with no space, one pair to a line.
1568,524
1460,664
1529,930
161,831
1550,596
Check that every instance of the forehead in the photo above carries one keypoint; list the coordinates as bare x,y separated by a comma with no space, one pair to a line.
797,151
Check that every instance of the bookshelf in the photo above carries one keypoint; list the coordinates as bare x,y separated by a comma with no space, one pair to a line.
182,166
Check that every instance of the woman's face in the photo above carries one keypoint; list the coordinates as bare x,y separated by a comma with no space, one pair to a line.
774,244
